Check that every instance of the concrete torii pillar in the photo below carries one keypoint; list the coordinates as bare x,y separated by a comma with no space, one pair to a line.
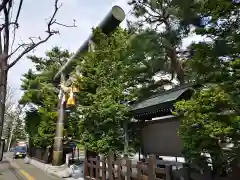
108,25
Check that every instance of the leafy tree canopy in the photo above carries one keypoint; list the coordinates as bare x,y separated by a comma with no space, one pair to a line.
109,79
209,125
211,118
171,21
41,95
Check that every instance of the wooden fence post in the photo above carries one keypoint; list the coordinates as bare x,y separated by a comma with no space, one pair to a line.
85,164
186,172
97,167
128,166
152,167
119,169
78,153
104,169
91,167
168,170
47,153
110,165
139,172
73,155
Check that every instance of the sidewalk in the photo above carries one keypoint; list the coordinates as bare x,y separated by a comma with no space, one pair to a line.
31,172
37,168
16,169
6,173
73,172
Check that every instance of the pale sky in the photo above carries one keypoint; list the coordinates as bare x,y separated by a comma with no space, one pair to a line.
87,13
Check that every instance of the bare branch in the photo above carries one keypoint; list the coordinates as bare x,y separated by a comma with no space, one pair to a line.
150,8
50,32
153,16
16,26
28,49
18,12
13,41
14,51
4,4
64,25
9,99
6,30
5,25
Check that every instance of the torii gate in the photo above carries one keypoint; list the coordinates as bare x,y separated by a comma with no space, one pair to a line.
108,25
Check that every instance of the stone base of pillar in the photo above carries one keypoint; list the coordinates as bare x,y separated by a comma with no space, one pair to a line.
57,158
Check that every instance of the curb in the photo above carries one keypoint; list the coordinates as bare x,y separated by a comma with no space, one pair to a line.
15,169
47,168
44,167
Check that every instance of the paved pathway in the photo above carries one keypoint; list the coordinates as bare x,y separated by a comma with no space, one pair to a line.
6,172
16,169
31,172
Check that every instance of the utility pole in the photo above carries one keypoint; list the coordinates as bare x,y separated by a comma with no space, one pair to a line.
15,118
58,140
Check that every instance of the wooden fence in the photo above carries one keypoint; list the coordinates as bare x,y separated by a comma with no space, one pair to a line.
45,155
122,169
125,169
40,154
75,157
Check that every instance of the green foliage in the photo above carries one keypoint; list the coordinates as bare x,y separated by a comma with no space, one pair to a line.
46,128
210,59
14,125
41,95
150,61
209,120
32,120
211,117
19,130
107,83
170,20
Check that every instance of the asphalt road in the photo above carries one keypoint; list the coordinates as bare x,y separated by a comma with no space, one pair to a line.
6,172
18,170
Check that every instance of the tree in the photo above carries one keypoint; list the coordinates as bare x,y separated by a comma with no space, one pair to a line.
211,118
10,25
209,124
17,130
10,115
108,81
13,118
8,111
41,95
10,102
151,63
170,21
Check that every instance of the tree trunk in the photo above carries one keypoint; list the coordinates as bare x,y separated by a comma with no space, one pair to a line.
176,65
3,90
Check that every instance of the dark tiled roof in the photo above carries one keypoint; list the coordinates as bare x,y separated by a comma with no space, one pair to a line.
167,96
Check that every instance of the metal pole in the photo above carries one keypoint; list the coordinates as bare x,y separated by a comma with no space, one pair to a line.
125,139
58,140
11,135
